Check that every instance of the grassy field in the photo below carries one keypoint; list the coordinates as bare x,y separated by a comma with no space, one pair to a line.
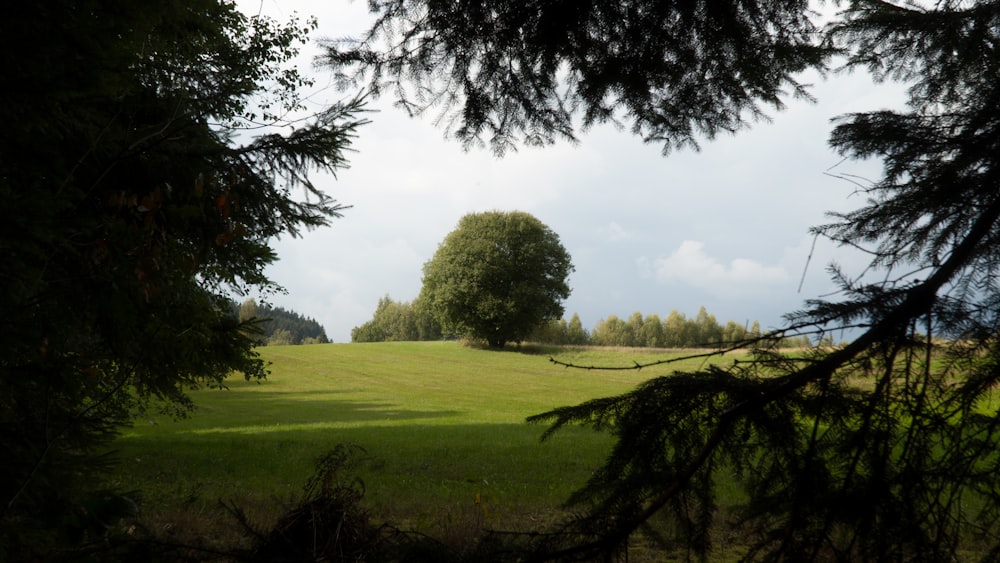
442,424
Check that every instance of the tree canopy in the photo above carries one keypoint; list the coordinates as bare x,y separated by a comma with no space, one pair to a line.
497,277
138,190
280,326
882,449
395,321
507,72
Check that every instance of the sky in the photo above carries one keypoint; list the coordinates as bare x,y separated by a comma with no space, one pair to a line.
726,227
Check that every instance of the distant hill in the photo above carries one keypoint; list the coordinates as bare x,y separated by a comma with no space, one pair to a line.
282,326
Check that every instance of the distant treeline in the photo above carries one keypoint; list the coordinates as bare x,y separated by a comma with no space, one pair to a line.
281,326
403,321
651,331
396,321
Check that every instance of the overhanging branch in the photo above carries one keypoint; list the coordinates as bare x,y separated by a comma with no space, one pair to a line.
916,301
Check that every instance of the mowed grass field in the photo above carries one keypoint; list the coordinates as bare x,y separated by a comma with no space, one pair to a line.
442,424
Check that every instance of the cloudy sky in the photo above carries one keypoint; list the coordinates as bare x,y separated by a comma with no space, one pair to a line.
725,228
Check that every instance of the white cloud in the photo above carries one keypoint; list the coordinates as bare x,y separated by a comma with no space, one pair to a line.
690,265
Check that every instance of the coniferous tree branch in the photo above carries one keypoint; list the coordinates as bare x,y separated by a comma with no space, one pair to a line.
909,305
934,215
129,212
506,73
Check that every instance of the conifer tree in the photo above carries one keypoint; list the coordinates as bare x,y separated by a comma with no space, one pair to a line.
506,72
138,191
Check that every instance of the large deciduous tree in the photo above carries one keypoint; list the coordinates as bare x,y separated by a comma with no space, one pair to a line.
133,201
882,449
497,277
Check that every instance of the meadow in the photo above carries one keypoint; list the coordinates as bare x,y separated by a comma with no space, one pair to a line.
442,425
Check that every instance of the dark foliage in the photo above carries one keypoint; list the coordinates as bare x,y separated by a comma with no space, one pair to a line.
277,325
885,448
510,72
330,523
300,329
128,209
327,524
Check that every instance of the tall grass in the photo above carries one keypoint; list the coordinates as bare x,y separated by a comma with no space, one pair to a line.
442,424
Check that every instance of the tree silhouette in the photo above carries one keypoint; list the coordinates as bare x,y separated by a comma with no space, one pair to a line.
134,200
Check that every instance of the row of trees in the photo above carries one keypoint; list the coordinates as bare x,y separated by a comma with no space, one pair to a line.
501,277
397,321
279,326
676,330
401,321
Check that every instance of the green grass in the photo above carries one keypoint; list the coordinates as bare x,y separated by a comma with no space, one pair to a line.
442,424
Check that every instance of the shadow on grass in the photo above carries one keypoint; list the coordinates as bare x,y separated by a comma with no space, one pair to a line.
526,348
439,479
410,467
299,408
277,408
